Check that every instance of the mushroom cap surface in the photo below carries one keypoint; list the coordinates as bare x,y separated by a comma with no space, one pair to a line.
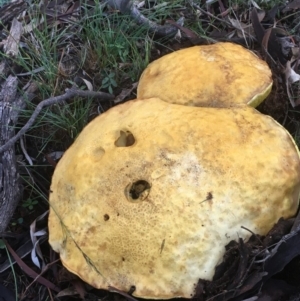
150,193
218,75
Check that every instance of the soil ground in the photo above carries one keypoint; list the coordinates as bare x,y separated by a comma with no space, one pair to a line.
270,29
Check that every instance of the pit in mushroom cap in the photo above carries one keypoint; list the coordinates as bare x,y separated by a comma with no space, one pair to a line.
218,75
150,193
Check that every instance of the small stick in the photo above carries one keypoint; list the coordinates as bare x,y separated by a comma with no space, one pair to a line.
51,101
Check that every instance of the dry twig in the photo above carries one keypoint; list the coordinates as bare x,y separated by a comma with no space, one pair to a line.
128,8
51,101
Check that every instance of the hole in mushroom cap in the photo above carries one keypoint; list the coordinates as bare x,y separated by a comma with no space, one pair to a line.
98,152
125,139
137,191
131,290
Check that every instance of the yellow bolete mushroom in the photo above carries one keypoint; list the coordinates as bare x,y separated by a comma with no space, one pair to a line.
218,75
151,192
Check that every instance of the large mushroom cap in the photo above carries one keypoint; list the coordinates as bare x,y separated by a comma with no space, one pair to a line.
218,75
150,193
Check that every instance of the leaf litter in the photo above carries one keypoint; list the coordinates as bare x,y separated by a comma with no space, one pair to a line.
251,270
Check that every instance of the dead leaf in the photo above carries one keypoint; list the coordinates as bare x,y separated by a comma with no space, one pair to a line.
284,251
290,77
36,252
79,287
30,272
22,251
188,33
293,5
53,157
69,291
258,28
242,28
88,84
125,92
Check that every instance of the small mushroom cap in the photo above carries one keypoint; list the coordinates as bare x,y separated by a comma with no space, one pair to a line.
218,75
150,193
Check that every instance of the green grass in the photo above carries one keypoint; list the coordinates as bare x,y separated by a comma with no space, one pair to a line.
110,49
117,46
58,126
3,246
